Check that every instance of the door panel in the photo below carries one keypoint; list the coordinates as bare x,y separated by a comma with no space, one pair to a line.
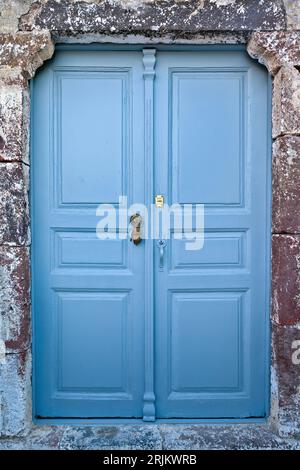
206,326
94,111
83,342
211,141
221,250
217,97
80,249
88,293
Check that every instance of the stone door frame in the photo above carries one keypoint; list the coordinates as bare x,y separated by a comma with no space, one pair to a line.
21,54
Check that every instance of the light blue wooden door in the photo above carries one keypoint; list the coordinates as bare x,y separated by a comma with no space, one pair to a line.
211,304
126,331
88,293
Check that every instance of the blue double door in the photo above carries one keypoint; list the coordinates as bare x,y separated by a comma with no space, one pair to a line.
139,331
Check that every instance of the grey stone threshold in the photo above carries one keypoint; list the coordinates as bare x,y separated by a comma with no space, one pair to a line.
151,437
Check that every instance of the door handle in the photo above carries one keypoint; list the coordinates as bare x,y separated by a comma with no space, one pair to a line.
161,245
135,234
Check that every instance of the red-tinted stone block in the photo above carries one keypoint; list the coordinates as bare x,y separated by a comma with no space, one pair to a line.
286,185
286,279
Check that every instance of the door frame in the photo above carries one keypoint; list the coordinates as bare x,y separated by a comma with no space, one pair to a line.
164,47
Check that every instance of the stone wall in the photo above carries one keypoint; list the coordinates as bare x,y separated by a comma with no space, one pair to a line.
28,31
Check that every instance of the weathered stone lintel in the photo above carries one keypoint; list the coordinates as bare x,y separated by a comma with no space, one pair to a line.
147,16
201,38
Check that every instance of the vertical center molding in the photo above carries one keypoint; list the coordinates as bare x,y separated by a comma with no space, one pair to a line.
149,75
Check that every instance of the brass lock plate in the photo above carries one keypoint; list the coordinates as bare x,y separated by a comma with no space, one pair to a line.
159,201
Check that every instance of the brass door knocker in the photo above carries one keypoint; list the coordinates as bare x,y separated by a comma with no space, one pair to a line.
135,233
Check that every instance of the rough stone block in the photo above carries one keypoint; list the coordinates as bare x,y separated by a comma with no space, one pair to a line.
11,10
275,49
15,393
126,437
26,51
286,102
14,298
14,121
286,343
286,185
286,279
292,8
14,220
222,437
159,437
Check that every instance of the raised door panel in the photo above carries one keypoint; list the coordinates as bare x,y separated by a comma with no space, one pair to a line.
207,126
206,333
93,114
94,337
